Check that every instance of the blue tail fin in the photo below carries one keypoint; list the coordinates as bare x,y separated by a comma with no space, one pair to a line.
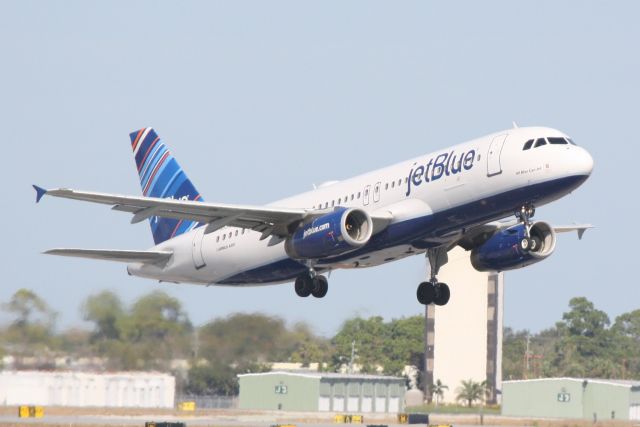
161,176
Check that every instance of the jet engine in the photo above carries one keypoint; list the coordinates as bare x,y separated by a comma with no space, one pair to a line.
334,233
509,249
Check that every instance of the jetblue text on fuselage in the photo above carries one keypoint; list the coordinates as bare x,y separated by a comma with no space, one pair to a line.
444,164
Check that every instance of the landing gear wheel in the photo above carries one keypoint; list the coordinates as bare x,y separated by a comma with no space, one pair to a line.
442,294
303,285
525,244
320,286
426,293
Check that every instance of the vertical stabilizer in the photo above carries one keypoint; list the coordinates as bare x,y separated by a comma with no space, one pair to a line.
161,176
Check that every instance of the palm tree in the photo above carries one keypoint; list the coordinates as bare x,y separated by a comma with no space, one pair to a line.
438,390
470,391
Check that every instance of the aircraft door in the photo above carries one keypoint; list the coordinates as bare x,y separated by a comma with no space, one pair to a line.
376,192
196,248
493,155
365,196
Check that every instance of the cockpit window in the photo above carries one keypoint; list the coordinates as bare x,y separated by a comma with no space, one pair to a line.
556,140
527,144
540,142
571,141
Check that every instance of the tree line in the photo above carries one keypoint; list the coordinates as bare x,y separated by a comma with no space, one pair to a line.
155,333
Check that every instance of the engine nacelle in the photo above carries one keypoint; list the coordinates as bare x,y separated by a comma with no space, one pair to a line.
335,233
503,251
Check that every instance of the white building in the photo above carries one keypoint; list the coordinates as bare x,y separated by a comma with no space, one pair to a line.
464,338
125,389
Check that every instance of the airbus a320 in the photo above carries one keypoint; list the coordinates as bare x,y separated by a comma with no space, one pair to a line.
480,195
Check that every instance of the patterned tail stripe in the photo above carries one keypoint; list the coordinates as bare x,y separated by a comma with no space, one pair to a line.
161,176
151,179
155,141
150,161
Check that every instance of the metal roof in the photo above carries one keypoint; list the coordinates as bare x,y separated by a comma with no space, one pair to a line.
324,375
624,383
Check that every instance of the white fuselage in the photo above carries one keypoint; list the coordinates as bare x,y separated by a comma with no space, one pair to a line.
432,199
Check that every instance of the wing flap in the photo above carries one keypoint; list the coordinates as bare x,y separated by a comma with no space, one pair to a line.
150,257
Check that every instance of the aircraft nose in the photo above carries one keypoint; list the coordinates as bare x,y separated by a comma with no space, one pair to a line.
584,162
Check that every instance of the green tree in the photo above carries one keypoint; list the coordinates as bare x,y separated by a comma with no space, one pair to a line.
470,391
215,379
438,390
32,329
584,348
308,348
369,336
105,311
404,344
627,330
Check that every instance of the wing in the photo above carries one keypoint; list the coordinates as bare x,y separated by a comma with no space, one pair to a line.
150,257
270,221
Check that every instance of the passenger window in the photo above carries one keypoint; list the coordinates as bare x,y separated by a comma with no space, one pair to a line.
386,186
339,201
217,239
333,203
358,194
556,140
540,142
352,196
224,236
393,184
527,144
399,182
230,234
236,232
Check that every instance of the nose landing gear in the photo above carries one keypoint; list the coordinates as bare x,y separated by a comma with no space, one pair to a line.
434,292
527,243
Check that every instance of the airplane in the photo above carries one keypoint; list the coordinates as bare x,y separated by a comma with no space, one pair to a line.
480,195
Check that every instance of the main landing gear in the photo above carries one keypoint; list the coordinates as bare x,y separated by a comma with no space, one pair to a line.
528,242
434,292
311,283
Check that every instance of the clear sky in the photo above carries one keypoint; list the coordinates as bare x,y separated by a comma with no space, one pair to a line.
259,100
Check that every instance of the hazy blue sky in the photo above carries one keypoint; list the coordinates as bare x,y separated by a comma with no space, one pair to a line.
259,100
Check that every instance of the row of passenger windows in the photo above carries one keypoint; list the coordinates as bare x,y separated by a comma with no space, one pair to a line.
356,196
229,235
553,140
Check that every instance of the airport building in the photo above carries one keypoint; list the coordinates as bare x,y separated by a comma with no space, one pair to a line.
320,391
464,337
590,399
125,389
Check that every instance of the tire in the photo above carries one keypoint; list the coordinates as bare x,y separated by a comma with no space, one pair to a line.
443,293
426,293
303,285
320,286
524,244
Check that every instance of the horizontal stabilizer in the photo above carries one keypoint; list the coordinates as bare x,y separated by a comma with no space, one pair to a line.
150,257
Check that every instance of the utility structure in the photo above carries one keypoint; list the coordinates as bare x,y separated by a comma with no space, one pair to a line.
464,339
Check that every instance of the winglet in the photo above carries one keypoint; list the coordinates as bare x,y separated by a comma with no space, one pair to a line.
39,192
